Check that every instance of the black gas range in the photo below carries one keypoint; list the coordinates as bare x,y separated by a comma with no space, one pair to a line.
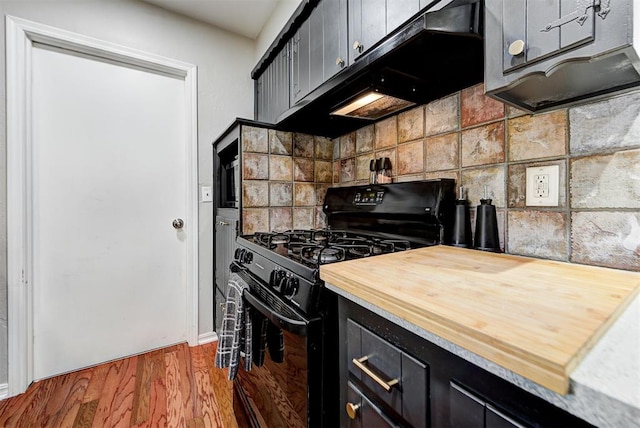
282,271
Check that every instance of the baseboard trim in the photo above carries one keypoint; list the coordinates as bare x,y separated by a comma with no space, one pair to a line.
4,390
207,338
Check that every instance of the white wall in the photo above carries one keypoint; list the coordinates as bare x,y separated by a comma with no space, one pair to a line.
281,14
225,91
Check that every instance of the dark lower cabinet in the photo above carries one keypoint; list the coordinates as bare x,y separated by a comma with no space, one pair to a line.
428,386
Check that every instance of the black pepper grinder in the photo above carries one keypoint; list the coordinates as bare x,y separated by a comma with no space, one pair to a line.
486,237
462,222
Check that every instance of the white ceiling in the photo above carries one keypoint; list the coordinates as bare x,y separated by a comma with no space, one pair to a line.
244,17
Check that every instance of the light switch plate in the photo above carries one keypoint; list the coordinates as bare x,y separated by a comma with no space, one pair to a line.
205,194
543,184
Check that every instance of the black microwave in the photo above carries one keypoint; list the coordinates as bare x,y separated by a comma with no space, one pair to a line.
229,180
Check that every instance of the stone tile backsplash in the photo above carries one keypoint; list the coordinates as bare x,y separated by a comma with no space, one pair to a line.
285,175
478,141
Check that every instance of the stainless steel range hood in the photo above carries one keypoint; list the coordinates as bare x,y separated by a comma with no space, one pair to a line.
434,55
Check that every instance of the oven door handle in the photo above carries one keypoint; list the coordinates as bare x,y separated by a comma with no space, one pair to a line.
295,326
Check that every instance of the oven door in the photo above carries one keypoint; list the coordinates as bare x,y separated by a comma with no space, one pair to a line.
287,393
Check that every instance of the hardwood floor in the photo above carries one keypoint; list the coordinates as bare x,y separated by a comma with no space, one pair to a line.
172,387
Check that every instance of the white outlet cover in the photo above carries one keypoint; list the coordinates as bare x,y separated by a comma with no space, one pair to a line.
553,171
205,194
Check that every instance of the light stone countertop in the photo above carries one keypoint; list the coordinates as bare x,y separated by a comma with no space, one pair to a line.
604,387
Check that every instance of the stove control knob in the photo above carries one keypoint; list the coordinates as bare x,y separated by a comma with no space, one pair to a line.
238,254
247,257
277,277
291,287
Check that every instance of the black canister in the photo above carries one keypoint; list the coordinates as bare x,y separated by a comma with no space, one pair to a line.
486,237
462,223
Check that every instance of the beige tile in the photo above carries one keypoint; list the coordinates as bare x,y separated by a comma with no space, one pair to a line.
483,145
320,219
303,218
362,167
441,152
608,124
410,158
540,234
324,148
442,115
280,142
336,148
255,220
348,145
255,139
324,172
347,170
336,171
255,166
304,194
255,193
607,181
476,107
303,169
514,111
517,183
442,174
474,181
280,219
280,168
365,139
411,125
411,177
606,238
280,194
386,133
539,136
321,192
303,146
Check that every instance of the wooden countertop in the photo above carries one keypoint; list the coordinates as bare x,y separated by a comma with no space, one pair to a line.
535,317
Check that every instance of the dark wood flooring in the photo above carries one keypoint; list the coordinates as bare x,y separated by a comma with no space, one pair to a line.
172,387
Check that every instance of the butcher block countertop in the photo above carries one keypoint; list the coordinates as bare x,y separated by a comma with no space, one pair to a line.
537,318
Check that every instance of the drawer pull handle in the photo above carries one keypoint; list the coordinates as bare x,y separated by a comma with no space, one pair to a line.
386,385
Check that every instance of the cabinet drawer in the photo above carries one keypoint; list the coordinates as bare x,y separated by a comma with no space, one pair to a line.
390,375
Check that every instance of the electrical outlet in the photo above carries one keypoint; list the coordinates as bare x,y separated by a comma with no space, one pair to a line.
205,194
543,186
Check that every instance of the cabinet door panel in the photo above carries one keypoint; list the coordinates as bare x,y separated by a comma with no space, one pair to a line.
573,33
335,36
300,63
495,419
541,13
367,25
415,392
514,26
316,47
465,409
385,361
354,347
398,11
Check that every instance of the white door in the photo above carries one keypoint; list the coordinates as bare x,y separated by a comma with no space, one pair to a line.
109,177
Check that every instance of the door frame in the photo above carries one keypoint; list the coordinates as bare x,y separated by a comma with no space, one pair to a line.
20,36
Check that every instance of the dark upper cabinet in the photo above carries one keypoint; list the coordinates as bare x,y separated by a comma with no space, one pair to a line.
319,48
272,88
300,62
545,54
367,25
371,20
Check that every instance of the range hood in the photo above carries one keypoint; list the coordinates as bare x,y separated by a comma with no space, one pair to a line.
436,54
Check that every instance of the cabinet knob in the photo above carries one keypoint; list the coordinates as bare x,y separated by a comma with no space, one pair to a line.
358,46
516,48
223,223
178,223
352,410
339,62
